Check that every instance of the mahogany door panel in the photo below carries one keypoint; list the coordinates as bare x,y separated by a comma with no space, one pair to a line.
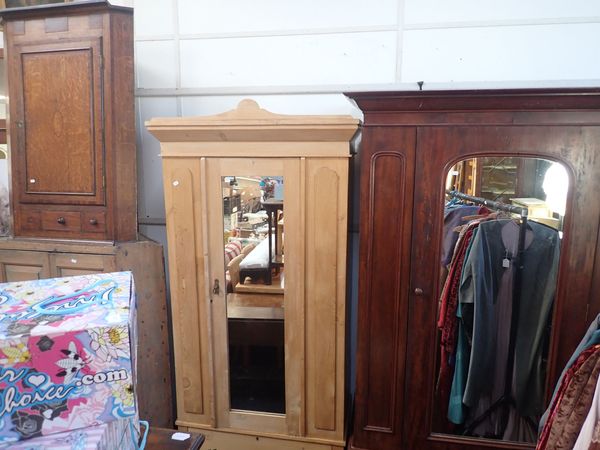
438,148
387,177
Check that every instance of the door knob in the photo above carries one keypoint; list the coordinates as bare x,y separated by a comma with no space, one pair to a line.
61,220
418,291
216,288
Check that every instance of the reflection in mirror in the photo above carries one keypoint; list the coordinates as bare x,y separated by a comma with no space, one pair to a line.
254,264
499,263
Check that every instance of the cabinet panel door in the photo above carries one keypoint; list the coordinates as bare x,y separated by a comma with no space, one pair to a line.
71,264
325,241
189,306
23,266
437,149
386,198
57,122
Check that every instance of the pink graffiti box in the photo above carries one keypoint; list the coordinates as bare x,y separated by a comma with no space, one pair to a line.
119,434
67,354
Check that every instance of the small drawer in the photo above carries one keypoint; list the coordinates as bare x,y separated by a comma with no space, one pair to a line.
61,221
31,220
93,222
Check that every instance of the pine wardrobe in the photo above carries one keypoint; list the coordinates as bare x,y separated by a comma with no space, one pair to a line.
412,146
256,208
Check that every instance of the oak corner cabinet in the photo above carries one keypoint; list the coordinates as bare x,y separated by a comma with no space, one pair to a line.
256,208
71,121
410,143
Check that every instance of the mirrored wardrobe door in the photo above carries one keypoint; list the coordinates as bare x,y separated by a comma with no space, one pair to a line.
250,287
489,245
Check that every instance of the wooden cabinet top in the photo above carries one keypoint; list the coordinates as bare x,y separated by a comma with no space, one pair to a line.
248,124
575,106
54,9
485,99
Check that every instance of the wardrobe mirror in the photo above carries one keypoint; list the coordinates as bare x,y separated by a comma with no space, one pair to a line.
254,270
500,249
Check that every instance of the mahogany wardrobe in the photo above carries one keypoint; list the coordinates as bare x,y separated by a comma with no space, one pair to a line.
414,147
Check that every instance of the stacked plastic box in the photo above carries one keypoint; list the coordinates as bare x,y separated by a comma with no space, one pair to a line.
67,363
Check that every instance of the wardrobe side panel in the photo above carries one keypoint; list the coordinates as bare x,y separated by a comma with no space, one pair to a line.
122,146
386,203
183,205
326,230
145,259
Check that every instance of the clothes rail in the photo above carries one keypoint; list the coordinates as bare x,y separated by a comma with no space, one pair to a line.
523,212
506,400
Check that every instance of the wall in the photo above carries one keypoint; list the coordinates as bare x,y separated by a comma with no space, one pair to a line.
199,57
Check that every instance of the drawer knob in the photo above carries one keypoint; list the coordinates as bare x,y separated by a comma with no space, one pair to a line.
61,220
93,221
418,291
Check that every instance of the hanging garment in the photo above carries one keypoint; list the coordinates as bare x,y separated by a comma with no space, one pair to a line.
448,322
572,402
591,337
457,412
479,289
595,444
449,295
519,429
447,319
453,217
588,429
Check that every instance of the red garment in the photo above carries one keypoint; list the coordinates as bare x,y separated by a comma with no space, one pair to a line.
455,267
448,322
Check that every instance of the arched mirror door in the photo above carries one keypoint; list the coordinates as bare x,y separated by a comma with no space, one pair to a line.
492,281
